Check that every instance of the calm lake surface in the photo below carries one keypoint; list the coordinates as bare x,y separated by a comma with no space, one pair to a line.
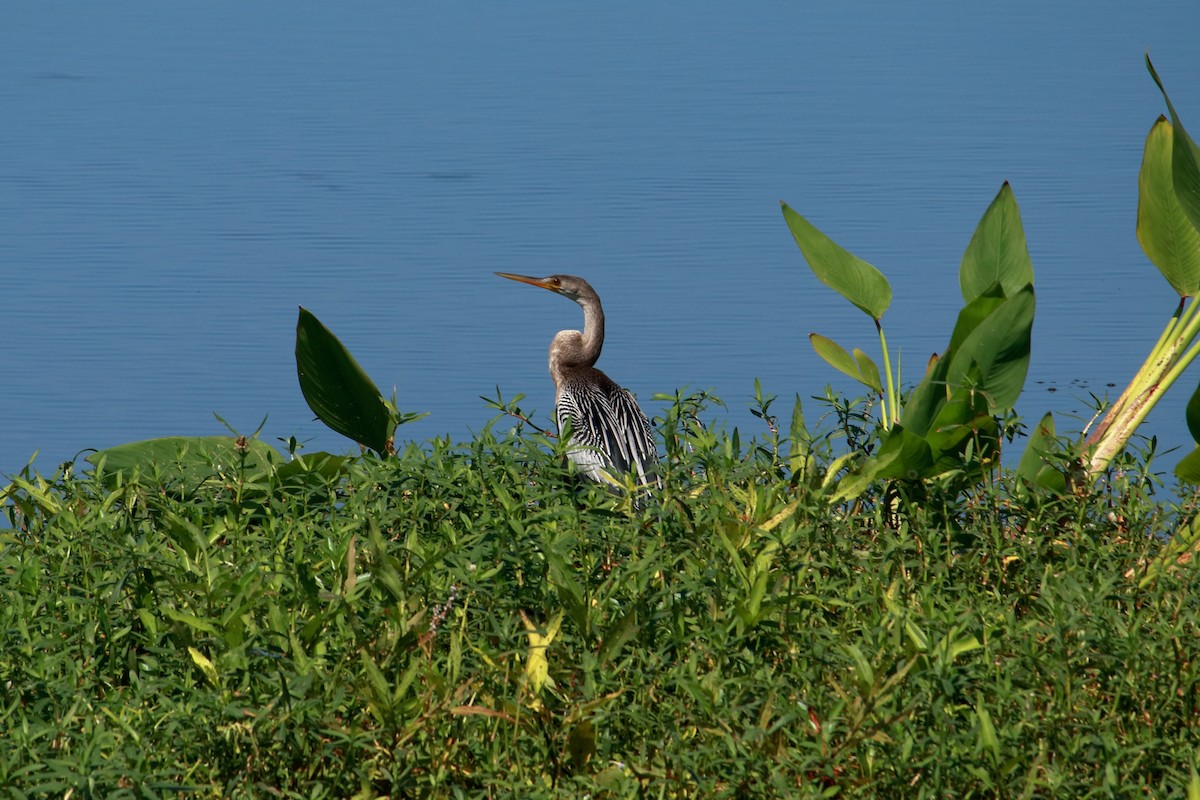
177,178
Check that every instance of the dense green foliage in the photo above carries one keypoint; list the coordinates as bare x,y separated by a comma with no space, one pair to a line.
466,620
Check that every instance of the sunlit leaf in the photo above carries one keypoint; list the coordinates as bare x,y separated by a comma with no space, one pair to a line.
834,354
206,666
840,270
868,370
1168,237
1185,158
337,389
997,252
190,459
858,366
537,667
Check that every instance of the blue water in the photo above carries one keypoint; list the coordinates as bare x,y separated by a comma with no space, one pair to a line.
176,179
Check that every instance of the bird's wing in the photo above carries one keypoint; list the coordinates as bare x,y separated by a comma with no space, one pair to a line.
611,432
578,413
633,438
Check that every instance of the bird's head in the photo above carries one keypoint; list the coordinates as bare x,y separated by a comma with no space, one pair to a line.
569,286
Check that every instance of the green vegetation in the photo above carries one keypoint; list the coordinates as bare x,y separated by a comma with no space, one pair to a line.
463,620
867,606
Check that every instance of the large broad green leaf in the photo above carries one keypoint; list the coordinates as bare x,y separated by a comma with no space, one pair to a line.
997,252
186,459
859,366
337,389
982,371
1185,159
903,455
1163,229
947,374
1000,346
839,269
972,315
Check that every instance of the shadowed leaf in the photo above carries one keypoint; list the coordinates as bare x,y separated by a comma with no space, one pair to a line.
1035,465
337,389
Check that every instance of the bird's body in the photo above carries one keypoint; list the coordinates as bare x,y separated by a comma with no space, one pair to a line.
610,435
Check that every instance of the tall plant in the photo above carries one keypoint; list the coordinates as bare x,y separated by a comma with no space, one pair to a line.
1168,229
948,422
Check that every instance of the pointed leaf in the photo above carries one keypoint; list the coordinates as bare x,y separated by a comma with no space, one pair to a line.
1163,229
1185,159
997,252
837,357
337,389
834,354
839,269
869,371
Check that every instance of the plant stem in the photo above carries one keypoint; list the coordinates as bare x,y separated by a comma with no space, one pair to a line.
1167,360
890,405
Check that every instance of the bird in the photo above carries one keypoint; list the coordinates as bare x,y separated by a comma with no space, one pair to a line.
610,436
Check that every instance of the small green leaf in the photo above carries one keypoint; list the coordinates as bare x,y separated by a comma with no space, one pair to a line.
337,389
617,635
988,740
840,270
1000,345
1166,234
859,366
206,667
997,252
868,370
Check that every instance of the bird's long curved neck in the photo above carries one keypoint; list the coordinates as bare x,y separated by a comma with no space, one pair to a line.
593,332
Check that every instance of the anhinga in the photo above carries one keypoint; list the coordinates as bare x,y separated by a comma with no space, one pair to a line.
610,435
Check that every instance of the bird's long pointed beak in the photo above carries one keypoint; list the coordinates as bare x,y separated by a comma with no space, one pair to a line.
542,282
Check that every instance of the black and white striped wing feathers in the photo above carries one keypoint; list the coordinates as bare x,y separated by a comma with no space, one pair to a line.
610,434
